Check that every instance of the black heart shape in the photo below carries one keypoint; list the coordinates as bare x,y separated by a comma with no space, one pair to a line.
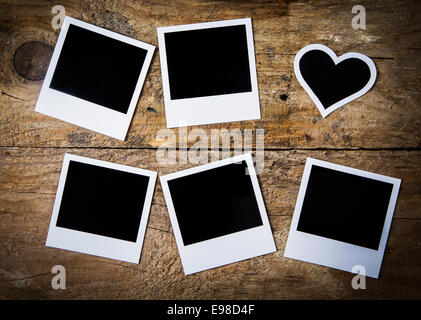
332,82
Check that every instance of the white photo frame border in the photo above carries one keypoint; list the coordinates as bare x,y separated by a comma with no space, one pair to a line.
336,59
84,113
93,244
227,249
333,253
210,109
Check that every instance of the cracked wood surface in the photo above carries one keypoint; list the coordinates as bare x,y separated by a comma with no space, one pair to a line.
28,183
379,132
388,116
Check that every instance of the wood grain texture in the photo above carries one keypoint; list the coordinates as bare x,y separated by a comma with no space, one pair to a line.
379,132
28,183
386,117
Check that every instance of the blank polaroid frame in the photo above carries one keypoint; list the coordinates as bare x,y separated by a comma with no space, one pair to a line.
224,88
337,85
330,235
77,225
93,90
244,237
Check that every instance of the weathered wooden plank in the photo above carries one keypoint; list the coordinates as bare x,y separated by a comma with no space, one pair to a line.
25,268
387,117
28,181
37,170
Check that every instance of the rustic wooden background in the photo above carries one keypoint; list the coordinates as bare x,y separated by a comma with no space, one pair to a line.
380,132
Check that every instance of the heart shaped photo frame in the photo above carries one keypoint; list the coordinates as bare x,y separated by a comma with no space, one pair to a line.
332,81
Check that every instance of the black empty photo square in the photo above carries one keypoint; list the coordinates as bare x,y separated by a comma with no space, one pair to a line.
214,203
345,207
208,62
102,201
98,69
